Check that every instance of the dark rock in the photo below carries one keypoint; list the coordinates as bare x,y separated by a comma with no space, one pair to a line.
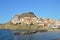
16,33
28,32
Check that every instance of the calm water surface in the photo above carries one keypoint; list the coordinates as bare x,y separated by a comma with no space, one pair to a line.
9,35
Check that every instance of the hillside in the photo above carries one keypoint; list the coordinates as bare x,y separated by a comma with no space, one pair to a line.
27,14
2,26
10,25
28,21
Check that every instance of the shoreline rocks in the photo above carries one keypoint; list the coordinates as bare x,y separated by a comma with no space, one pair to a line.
26,32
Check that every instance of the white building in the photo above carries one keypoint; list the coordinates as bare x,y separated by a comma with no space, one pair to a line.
15,20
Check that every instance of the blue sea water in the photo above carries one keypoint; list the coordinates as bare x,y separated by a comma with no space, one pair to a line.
9,35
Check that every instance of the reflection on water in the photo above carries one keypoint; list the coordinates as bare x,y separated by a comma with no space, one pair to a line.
9,35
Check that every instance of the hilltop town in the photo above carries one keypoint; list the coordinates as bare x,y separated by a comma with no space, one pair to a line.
28,21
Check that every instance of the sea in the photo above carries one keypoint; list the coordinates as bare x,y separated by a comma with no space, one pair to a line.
10,35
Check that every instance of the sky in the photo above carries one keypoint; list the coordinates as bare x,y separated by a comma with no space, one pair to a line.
42,8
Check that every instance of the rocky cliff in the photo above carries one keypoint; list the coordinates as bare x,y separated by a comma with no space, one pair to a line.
27,14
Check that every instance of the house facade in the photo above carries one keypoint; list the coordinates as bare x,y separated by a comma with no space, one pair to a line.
36,21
